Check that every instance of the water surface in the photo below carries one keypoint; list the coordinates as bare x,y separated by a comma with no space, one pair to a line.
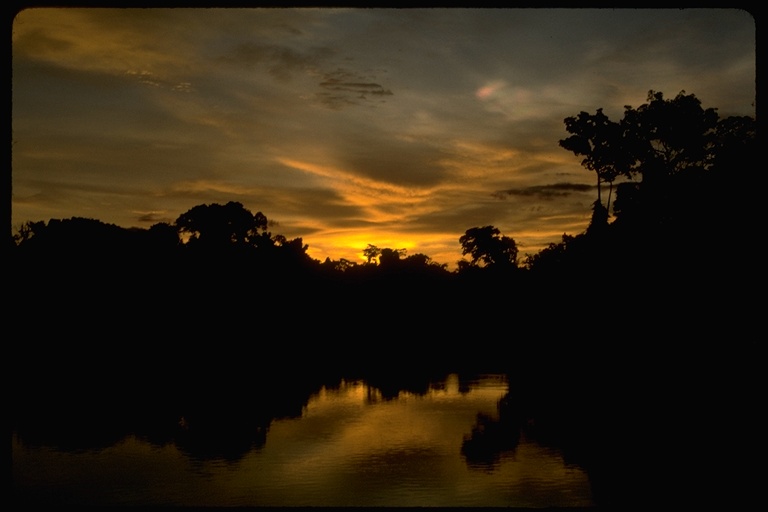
352,445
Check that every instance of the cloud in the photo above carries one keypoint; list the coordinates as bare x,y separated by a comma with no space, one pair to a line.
374,202
355,87
44,199
341,87
291,206
337,88
489,89
281,61
547,192
151,79
397,162
154,217
101,41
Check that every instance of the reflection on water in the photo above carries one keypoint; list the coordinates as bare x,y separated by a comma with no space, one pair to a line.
352,445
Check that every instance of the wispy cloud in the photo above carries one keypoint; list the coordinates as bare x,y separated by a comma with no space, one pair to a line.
281,61
151,79
341,88
359,88
547,192
155,217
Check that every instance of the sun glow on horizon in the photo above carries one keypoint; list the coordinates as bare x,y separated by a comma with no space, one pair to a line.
350,244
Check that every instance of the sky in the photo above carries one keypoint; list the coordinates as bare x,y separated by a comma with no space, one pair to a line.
400,128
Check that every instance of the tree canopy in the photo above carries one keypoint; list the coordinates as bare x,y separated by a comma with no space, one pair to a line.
601,142
486,246
215,225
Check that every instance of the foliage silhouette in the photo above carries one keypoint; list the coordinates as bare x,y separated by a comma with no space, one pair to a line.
214,225
371,253
601,143
488,246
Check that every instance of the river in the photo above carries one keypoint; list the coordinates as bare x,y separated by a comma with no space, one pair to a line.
353,443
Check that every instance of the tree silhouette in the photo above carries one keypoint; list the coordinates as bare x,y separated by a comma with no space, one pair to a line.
599,222
667,137
600,141
389,258
371,252
657,141
551,259
672,142
164,235
27,230
486,245
422,261
292,253
682,155
735,144
341,265
78,241
214,225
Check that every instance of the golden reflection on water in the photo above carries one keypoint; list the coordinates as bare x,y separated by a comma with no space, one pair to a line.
352,446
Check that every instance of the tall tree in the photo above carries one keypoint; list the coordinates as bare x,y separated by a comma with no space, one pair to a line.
600,141
674,143
215,225
664,142
292,251
667,137
390,257
371,252
27,230
488,246
735,145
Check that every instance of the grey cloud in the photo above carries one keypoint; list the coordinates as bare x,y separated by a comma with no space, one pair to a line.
378,152
154,218
342,87
52,190
281,60
306,231
355,87
319,204
546,192
397,162
456,218
281,206
82,199
532,225
279,203
336,101
148,78
338,88
314,203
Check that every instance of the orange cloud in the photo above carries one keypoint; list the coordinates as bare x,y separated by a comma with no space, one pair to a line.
487,90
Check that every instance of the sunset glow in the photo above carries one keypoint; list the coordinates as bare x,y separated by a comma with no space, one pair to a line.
400,128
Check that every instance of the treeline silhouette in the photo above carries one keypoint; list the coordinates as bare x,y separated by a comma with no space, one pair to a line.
638,321
652,267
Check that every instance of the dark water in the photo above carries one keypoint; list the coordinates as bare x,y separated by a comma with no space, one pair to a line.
351,444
